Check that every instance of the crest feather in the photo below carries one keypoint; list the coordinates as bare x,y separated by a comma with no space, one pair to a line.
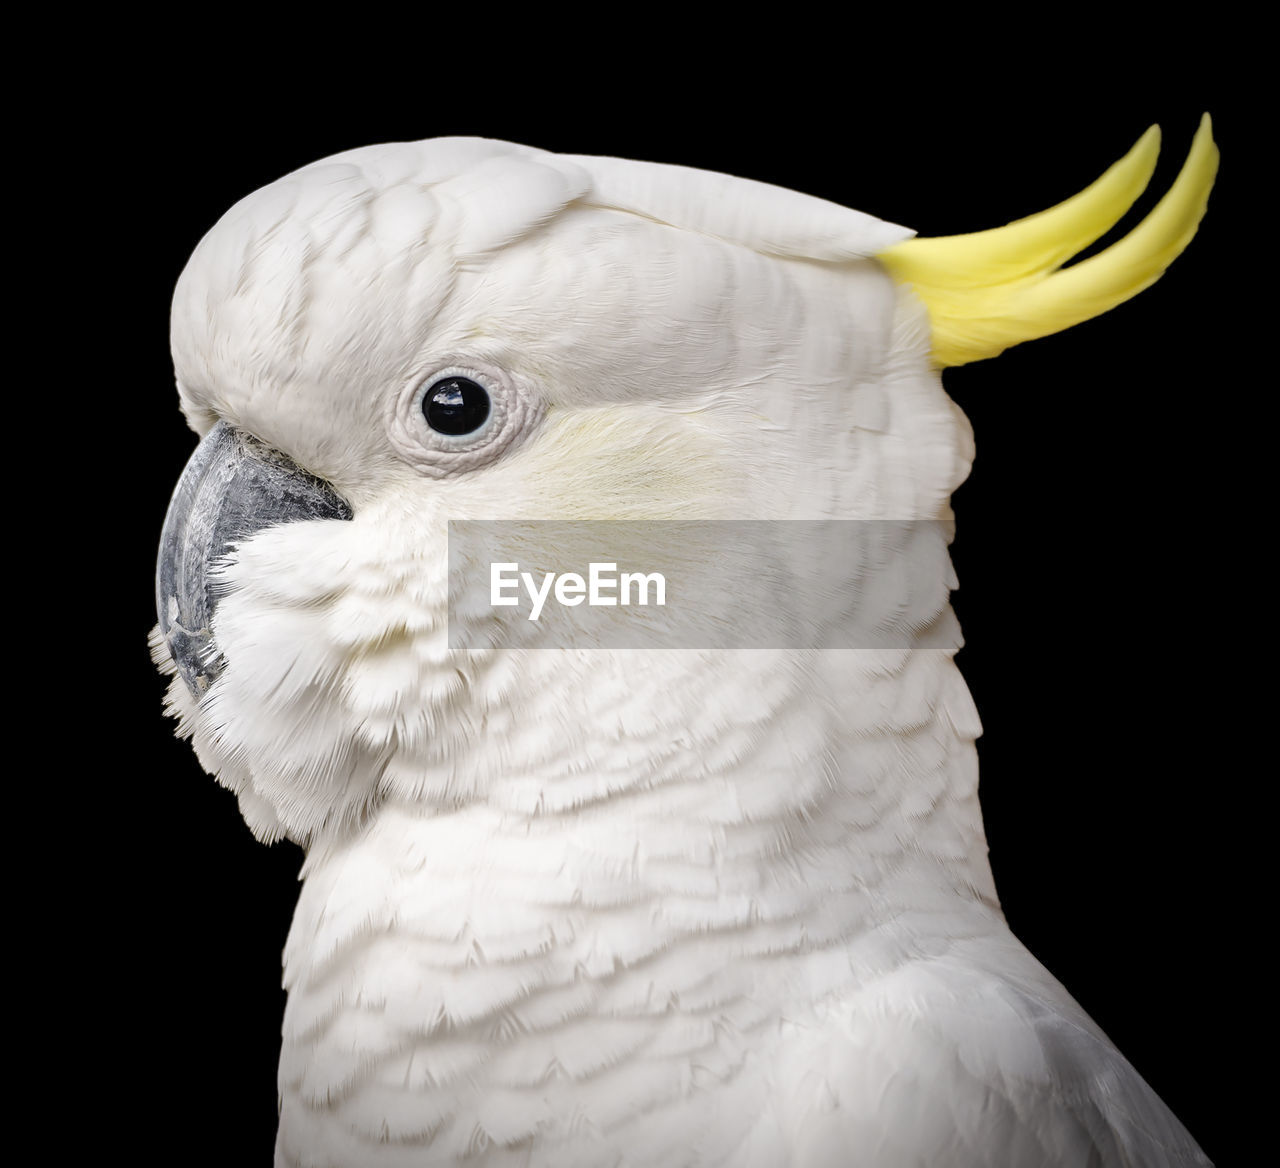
989,290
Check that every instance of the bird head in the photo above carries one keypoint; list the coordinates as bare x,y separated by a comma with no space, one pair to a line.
460,329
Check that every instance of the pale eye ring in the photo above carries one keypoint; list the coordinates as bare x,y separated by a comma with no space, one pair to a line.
457,413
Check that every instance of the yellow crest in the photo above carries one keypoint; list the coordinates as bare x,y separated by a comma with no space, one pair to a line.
990,290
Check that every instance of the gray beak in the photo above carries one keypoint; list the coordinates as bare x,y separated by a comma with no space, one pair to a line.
232,487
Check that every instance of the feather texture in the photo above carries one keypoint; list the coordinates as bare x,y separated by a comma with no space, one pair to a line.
610,907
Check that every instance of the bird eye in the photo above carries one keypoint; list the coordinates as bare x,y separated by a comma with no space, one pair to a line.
460,412
455,405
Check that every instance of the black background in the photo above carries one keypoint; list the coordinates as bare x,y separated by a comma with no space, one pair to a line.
1100,585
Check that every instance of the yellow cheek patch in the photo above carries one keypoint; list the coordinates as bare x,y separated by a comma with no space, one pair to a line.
633,462
990,290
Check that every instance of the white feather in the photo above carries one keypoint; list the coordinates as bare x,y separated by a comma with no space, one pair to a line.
612,907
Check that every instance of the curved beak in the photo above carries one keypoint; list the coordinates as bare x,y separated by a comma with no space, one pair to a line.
232,487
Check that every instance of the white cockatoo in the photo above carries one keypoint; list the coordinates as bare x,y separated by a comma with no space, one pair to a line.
597,907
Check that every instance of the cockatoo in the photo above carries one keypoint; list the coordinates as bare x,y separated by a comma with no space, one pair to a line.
614,906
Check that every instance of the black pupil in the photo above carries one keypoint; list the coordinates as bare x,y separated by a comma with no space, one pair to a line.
456,405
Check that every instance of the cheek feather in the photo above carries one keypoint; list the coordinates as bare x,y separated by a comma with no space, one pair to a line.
631,463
